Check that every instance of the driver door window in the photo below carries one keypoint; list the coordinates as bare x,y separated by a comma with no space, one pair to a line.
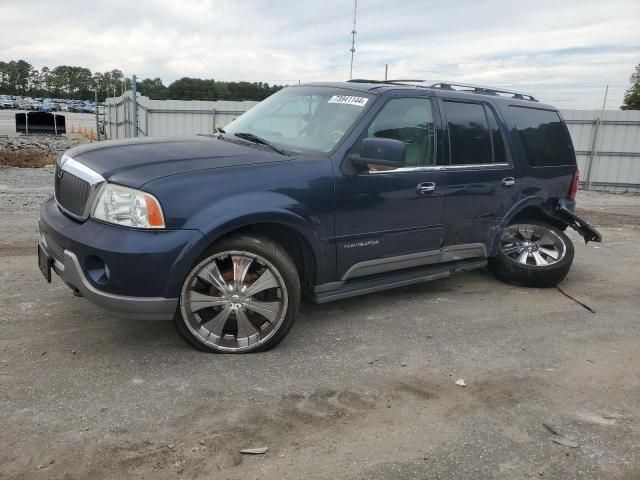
409,120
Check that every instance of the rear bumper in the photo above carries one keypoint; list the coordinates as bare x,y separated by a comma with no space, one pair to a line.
566,215
133,273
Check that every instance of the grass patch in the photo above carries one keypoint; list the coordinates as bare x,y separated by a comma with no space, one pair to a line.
27,158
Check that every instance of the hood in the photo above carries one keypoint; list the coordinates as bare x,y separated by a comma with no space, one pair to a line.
134,162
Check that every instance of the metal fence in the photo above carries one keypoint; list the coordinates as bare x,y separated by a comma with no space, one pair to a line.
607,143
163,118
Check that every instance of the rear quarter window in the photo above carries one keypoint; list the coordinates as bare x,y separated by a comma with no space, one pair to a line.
544,136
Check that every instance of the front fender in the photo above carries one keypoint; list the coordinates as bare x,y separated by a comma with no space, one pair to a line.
230,213
242,210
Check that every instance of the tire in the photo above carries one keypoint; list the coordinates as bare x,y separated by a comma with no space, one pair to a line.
241,297
522,245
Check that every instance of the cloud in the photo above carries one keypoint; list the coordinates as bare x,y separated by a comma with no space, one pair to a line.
565,52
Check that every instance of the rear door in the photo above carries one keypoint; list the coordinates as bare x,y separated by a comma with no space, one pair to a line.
482,183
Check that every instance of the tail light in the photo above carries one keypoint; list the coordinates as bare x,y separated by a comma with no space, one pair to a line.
575,181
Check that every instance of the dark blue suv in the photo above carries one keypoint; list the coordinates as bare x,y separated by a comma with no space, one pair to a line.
328,190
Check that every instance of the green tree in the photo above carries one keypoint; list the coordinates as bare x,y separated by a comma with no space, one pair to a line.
44,79
193,89
153,88
632,96
18,74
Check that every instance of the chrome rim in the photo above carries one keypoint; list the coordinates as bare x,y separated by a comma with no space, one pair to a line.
234,301
532,245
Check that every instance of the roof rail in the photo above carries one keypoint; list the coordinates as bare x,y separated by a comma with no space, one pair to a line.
364,80
483,90
454,87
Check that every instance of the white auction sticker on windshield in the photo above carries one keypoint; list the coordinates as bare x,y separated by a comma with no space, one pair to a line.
349,100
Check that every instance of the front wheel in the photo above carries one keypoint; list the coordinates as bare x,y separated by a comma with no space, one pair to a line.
533,254
243,297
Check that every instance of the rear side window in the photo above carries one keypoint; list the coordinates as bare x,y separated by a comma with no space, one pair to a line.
474,135
545,138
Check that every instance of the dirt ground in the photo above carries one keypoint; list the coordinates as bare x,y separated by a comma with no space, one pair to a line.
26,158
361,389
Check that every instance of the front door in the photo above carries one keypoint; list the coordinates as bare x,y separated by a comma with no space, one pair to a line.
387,219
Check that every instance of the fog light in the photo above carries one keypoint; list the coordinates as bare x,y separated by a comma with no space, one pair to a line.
97,270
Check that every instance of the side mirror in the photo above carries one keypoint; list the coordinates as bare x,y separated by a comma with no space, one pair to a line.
380,151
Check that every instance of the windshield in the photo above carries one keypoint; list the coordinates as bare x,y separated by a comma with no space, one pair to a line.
303,119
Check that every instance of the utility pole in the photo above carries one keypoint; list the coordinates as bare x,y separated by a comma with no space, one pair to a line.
97,122
593,154
134,113
386,71
353,37
604,103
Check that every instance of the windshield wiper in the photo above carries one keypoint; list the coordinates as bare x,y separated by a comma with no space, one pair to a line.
256,139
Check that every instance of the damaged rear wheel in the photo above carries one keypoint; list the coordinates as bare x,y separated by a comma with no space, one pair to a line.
533,254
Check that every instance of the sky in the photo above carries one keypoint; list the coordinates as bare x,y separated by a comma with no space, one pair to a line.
563,51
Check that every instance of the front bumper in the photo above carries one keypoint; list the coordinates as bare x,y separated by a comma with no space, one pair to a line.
145,308
142,270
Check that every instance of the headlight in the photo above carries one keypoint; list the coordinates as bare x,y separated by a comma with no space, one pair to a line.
128,207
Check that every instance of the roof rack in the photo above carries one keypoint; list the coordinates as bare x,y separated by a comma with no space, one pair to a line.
457,87
364,80
483,90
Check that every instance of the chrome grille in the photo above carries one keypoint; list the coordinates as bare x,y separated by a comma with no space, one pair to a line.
71,192
75,187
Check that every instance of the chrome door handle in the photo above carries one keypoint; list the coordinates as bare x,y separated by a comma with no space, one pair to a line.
426,187
508,182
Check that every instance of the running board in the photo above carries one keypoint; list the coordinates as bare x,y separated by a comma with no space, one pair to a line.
400,279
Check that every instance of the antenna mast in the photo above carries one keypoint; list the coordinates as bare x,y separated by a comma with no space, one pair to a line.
353,37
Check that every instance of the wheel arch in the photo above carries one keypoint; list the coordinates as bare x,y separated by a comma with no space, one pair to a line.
534,208
296,243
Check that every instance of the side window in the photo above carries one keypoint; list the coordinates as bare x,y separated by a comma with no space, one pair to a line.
409,120
545,138
469,135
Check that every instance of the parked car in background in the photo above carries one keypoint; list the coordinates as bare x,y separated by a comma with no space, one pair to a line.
328,190
76,107
46,106
6,102
89,108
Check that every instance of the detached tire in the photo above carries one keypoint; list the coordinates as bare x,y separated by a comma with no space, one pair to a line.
242,297
533,254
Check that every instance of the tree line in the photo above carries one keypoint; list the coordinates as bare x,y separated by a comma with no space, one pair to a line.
64,81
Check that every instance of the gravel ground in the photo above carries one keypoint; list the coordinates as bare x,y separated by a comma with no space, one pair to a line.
55,144
361,389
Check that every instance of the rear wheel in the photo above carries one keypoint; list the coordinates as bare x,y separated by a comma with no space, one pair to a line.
243,297
533,254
